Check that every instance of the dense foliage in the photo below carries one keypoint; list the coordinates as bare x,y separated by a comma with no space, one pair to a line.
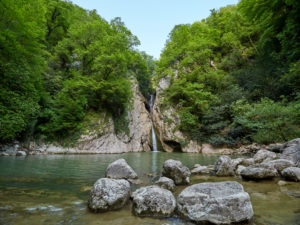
235,75
59,61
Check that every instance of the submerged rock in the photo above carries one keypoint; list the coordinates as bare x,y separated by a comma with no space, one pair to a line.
264,155
291,173
153,201
259,172
223,166
166,183
217,203
119,169
109,194
175,170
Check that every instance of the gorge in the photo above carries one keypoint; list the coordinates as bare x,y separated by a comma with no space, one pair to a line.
95,131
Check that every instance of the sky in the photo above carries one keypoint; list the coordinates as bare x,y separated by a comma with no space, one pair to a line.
152,20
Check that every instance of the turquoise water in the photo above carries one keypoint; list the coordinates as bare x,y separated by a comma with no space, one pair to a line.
54,189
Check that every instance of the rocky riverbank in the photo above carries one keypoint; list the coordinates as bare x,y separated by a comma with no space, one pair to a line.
223,202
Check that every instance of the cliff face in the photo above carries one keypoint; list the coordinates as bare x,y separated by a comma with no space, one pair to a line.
166,121
105,140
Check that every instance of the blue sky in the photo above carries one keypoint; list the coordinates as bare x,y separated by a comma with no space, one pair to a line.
152,20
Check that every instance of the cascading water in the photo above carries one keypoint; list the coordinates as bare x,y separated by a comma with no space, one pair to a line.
154,142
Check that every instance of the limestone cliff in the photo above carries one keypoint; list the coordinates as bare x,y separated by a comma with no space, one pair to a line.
103,139
166,121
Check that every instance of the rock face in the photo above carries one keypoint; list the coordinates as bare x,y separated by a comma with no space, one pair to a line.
153,201
119,169
259,172
109,194
176,171
166,183
223,166
264,155
291,151
217,203
166,119
105,140
291,173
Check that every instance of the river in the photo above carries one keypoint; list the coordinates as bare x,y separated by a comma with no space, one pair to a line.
53,189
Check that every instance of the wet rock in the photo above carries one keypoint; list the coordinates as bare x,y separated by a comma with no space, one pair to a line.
223,166
119,169
166,183
291,151
21,153
291,173
279,164
109,194
153,201
264,155
199,170
216,203
259,172
175,170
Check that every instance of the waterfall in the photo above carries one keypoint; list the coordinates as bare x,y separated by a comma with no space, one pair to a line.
154,142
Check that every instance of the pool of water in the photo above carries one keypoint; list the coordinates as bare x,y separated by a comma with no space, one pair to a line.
54,189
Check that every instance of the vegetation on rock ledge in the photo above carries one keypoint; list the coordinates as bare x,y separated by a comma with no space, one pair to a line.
235,75
58,62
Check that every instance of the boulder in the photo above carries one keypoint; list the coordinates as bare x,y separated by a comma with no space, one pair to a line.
248,162
291,173
4,154
236,162
239,169
199,170
279,164
264,155
259,172
291,151
166,183
21,153
275,148
175,170
119,169
223,166
216,203
109,194
153,201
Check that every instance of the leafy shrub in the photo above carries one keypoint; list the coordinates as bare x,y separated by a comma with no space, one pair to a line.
267,121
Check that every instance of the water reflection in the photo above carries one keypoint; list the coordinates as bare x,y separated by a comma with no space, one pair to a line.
54,190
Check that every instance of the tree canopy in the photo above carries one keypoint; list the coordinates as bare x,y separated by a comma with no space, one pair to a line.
59,61
245,57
